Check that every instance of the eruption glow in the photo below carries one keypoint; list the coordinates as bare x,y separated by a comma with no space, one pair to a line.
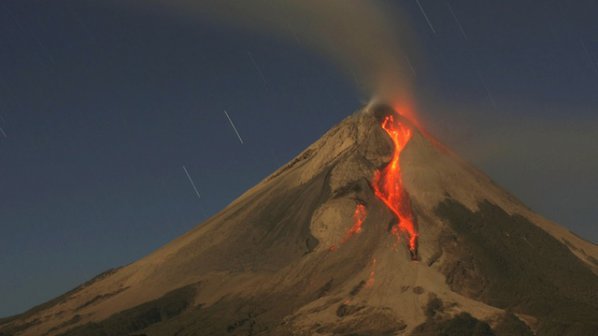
358,218
388,184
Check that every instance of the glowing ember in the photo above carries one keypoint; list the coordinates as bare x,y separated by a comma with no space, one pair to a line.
358,218
372,277
388,184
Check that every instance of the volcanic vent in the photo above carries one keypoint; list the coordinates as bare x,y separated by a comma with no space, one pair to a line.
325,246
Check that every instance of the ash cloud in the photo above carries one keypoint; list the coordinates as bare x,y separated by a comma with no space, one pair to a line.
357,36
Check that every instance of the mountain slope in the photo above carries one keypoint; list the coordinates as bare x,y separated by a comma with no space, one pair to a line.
309,251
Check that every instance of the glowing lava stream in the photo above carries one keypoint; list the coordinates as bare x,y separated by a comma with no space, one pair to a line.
388,184
358,218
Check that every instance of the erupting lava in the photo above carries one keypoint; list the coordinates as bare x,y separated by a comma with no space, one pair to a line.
388,184
358,218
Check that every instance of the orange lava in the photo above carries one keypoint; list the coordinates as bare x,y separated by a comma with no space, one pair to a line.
358,218
388,184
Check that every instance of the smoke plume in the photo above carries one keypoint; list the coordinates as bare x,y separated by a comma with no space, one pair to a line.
357,35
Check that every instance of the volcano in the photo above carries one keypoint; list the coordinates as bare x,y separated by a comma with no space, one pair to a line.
375,229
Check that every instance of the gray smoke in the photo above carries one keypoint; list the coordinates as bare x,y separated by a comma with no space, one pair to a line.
357,35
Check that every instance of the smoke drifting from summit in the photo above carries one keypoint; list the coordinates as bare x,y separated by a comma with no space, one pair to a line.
357,36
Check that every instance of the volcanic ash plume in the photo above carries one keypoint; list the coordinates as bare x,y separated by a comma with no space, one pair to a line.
356,35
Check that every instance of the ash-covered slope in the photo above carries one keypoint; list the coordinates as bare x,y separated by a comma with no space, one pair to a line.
312,250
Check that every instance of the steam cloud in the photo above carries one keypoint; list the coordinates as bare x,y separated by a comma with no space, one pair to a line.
356,35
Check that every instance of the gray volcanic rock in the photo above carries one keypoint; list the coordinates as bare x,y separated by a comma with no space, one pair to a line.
280,260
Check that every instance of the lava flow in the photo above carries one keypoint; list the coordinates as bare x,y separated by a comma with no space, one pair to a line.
388,184
358,218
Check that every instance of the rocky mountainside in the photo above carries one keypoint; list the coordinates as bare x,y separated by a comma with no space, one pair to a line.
315,250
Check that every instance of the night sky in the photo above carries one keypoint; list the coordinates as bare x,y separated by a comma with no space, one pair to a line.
104,110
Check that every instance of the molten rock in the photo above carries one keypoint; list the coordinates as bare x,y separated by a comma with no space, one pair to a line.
325,246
